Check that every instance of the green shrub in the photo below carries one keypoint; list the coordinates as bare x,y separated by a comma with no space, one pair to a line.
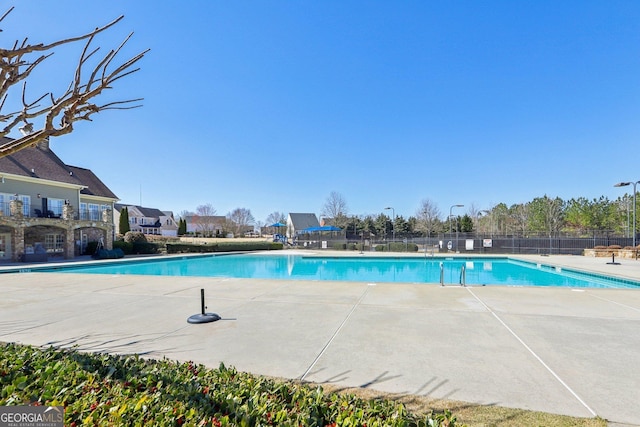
339,246
145,248
91,248
403,247
126,247
111,390
397,247
231,246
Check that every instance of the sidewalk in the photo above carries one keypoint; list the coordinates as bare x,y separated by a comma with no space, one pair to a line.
556,350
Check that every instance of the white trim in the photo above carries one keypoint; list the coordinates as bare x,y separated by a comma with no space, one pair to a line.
41,181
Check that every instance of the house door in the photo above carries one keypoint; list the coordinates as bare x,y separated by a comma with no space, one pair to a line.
5,246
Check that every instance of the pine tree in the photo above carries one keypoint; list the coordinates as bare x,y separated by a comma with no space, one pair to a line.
124,221
182,227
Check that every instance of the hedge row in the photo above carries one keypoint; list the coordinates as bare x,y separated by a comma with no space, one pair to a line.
176,248
109,390
136,247
397,247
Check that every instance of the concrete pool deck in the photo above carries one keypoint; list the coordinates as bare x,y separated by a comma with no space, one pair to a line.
558,350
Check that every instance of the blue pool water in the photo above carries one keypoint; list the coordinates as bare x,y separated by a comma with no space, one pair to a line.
477,271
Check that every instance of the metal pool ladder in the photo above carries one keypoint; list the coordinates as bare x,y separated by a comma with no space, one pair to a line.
463,276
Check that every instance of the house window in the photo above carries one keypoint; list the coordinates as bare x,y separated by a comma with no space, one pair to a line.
54,242
26,205
55,206
84,213
4,204
94,212
5,200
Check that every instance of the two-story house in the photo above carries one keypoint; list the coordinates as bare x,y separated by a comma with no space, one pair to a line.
150,221
205,225
48,208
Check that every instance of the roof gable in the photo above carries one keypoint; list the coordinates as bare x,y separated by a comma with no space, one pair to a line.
135,210
41,163
37,162
93,185
301,221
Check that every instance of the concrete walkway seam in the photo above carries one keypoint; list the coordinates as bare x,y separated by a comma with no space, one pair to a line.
547,367
335,334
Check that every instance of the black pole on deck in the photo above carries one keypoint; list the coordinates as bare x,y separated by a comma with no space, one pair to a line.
203,317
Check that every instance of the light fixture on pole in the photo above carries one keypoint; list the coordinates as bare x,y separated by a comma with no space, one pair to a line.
393,224
450,214
624,184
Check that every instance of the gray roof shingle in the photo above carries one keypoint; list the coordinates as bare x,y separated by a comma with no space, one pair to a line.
42,163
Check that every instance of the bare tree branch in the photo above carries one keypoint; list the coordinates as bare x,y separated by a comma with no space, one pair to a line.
76,103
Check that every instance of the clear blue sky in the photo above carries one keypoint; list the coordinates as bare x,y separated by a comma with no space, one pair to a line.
271,105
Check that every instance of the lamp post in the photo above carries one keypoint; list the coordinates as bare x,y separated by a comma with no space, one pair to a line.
450,227
393,224
624,184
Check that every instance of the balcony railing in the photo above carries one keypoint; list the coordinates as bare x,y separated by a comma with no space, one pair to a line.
78,215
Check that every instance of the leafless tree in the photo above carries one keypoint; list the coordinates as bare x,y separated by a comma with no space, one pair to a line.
335,210
186,213
205,220
57,114
428,216
239,220
275,217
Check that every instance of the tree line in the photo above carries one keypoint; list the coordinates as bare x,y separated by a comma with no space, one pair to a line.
545,215
542,216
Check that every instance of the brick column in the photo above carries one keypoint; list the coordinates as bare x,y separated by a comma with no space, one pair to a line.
18,243
69,243
15,206
67,212
108,241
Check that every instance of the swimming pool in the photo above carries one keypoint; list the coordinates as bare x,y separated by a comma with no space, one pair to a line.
471,271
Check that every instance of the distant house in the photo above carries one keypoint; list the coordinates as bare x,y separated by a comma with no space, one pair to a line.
50,208
150,221
296,222
204,225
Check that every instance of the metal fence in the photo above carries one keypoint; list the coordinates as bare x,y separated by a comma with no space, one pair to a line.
471,243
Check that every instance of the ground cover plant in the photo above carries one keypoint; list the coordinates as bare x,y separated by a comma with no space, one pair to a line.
110,390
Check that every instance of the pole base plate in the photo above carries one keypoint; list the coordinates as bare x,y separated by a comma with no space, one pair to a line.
203,318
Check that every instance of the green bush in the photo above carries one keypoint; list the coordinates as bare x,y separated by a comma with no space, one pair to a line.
91,248
176,248
126,247
339,246
403,247
112,390
145,248
397,247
